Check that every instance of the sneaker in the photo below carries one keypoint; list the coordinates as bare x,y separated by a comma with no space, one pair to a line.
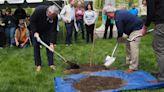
38,68
66,45
11,46
130,70
53,67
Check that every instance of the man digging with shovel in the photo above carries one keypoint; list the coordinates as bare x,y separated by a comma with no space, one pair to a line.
131,26
43,24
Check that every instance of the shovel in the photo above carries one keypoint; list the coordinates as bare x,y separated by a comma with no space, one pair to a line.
110,59
72,65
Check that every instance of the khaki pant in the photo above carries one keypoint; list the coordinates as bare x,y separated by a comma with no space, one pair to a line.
132,50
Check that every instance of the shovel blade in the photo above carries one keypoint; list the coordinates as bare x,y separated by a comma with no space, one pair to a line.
73,65
109,60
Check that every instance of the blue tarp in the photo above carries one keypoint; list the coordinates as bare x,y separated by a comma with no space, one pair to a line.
137,80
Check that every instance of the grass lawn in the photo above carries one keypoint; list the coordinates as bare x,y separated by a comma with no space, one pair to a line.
17,70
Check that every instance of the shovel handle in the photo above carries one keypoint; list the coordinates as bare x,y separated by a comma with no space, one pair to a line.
114,50
48,47
44,44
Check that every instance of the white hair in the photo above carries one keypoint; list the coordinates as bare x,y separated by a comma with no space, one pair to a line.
109,8
53,9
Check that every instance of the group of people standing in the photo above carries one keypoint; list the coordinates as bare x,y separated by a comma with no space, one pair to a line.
13,29
77,17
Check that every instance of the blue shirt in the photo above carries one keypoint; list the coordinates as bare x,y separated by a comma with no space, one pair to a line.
127,23
134,11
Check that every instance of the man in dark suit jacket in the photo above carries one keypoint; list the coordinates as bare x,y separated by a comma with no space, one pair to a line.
44,25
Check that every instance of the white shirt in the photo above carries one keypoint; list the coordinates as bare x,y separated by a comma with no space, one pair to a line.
68,13
90,17
72,13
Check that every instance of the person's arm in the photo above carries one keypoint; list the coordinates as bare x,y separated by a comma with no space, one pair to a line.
150,14
150,11
136,12
85,20
16,40
62,13
33,20
119,25
28,36
56,23
95,17
76,13
52,31
83,11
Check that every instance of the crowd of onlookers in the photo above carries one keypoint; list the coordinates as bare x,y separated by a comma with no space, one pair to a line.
14,27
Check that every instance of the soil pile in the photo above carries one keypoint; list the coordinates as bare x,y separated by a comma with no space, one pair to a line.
98,83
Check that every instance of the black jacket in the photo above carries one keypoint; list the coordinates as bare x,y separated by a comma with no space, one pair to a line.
10,21
155,12
39,23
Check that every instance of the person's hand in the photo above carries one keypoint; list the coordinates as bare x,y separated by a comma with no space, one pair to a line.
143,31
121,40
36,35
22,45
52,46
17,43
66,21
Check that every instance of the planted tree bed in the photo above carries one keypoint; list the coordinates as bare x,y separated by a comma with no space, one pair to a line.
98,83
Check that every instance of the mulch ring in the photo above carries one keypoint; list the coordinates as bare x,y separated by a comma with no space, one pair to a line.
86,68
98,83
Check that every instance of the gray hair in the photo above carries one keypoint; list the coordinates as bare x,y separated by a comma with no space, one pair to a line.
53,9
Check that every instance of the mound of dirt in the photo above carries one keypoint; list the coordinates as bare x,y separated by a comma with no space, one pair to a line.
86,68
98,83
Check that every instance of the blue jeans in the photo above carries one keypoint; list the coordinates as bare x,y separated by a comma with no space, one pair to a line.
69,28
10,31
80,24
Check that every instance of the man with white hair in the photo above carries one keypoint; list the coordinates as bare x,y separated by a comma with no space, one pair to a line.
43,24
130,25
